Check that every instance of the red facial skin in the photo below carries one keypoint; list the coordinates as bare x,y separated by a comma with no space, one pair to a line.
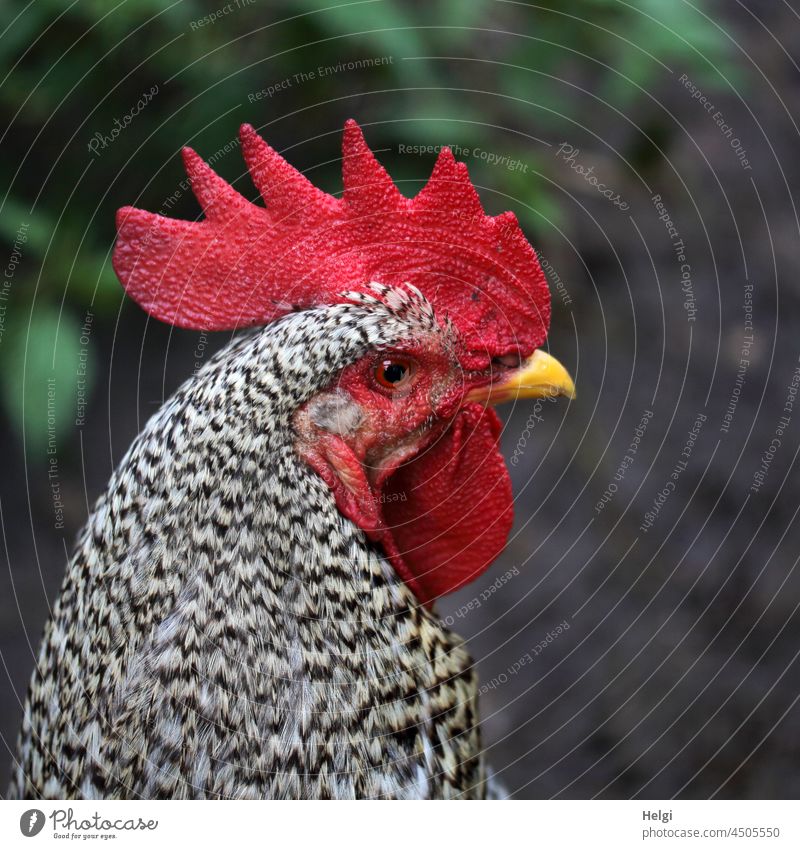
400,421
396,424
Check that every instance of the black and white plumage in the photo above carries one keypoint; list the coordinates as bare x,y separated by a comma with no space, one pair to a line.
224,631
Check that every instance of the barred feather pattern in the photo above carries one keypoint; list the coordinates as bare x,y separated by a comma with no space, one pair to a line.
223,631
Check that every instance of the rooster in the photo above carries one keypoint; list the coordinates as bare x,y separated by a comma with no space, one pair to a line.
249,609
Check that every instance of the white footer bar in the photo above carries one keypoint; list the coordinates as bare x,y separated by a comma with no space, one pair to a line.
387,825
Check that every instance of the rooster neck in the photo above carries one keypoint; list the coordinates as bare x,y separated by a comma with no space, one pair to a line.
224,631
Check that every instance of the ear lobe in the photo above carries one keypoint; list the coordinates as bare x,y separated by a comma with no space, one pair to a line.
335,412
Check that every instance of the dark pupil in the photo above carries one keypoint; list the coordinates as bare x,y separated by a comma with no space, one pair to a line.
394,372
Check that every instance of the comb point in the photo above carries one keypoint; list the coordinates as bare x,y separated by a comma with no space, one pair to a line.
284,189
367,184
217,198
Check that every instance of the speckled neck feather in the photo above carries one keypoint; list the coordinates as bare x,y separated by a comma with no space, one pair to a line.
224,632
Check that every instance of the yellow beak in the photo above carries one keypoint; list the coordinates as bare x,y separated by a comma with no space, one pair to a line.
541,376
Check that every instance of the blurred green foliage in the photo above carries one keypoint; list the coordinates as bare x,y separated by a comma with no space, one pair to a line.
485,74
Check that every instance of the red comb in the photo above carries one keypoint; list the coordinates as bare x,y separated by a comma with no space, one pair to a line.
246,265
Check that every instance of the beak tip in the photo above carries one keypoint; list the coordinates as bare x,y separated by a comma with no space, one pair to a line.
552,378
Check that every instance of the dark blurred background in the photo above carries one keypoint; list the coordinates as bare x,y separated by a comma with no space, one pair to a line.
639,637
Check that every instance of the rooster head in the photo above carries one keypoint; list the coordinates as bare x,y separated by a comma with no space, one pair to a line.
405,436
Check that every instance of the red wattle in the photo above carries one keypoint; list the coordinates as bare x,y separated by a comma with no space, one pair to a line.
449,510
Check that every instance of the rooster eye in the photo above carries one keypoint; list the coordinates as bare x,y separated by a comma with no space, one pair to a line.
393,374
